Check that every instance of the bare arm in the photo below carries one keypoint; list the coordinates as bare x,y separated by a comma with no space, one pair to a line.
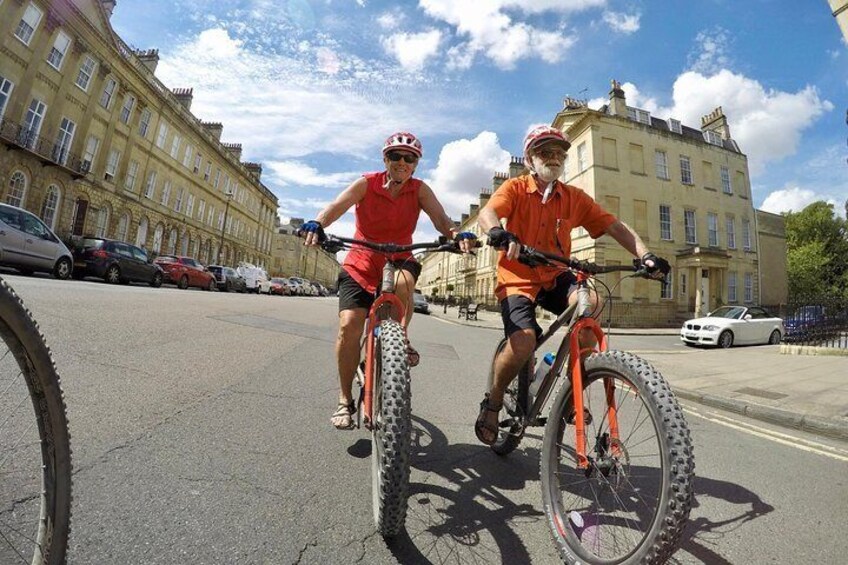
628,238
433,208
334,210
487,219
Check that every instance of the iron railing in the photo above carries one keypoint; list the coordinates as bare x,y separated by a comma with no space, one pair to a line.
47,150
818,321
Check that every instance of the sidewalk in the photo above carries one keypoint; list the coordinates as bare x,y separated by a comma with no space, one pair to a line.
806,392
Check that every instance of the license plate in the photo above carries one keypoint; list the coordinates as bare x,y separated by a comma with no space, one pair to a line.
692,336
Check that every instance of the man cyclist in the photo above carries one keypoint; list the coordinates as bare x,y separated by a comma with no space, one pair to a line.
541,211
387,204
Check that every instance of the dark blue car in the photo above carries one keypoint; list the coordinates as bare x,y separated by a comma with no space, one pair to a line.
809,322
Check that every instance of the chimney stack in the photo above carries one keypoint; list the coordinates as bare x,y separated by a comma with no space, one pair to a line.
516,166
184,97
149,58
234,148
618,103
255,170
214,128
717,122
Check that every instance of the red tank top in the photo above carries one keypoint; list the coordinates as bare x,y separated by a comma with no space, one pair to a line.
382,219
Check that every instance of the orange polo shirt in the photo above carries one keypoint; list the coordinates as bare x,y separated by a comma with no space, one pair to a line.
546,227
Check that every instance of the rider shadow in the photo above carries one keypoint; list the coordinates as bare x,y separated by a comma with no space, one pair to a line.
702,537
467,520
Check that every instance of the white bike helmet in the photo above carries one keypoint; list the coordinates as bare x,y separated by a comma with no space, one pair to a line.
403,140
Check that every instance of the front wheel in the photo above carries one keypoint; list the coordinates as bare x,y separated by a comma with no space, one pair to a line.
725,339
515,402
156,281
631,502
391,434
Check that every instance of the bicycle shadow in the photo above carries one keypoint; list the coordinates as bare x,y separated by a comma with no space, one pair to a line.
702,537
468,520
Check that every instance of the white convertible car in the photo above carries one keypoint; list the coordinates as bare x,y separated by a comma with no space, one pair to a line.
733,325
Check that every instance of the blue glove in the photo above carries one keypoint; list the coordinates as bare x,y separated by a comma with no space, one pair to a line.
464,235
312,226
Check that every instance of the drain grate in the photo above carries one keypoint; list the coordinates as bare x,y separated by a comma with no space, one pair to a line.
762,393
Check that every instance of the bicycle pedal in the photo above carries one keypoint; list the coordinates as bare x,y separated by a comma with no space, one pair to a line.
587,417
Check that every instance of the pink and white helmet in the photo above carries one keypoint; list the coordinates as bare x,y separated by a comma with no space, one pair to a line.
403,140
543,134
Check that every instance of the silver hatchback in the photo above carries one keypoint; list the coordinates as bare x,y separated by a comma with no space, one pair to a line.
28,245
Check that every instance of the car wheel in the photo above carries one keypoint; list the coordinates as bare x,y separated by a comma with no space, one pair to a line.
725,340
228,286
62,269
774,338
113,274
211,286
157,280
183,282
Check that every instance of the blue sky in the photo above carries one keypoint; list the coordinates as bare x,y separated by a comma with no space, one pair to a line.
310,88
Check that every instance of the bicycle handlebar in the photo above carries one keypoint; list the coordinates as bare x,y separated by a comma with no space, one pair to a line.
335,243
533,258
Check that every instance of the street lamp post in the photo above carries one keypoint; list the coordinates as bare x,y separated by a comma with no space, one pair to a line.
229,196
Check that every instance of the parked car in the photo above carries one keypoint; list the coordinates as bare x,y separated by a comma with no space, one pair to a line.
300,286
255,277
733,325
28,245
185,272
227,279
280,285
115,262
812,322
419,303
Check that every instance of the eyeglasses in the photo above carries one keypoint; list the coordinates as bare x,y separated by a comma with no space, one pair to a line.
551,154
394,156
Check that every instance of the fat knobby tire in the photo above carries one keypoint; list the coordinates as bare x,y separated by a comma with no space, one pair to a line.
675,445
25,341
394,431
508,440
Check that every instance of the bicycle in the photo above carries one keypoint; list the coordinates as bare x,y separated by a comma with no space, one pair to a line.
603,500
35,453
384,405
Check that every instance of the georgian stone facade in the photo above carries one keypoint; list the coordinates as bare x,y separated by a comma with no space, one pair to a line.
96,144
290,258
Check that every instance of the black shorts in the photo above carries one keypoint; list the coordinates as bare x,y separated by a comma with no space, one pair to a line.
352,295
519,312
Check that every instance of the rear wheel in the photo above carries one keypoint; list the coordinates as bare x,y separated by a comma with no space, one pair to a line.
774,338
630,504
35,453
391,430
113,274
515,402
211,286
725,339
63,268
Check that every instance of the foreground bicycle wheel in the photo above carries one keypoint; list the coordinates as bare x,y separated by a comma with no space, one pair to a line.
632,502
35,454
392,430
514,404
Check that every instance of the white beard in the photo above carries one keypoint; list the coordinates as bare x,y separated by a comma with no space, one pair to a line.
546,172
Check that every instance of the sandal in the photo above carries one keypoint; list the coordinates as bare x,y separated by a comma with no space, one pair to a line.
342,418
482,424
412,355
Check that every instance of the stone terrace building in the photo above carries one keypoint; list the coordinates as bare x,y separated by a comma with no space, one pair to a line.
290,258
685,191
96,144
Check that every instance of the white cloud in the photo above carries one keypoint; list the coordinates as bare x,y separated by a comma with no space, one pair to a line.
391,19
465,166
794,199
711,52
621,22
413,49
297,173
491,30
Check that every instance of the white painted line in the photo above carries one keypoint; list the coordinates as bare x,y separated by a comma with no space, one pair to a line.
778,437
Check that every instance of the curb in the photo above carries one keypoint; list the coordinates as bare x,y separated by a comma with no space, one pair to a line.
812,424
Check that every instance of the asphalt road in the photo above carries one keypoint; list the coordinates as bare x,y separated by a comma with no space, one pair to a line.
200,426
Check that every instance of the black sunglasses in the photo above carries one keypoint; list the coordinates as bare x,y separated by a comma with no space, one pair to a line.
395,157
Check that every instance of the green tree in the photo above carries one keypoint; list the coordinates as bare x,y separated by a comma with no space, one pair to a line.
817,251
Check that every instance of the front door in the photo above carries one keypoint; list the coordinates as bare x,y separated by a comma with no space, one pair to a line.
705,292
79,217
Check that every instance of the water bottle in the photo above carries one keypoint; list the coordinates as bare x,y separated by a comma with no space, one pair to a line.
541,370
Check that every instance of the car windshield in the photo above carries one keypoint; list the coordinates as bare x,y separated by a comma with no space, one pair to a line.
89,243
732,312
419,297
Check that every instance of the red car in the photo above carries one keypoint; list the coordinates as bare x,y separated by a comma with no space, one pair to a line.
185,272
